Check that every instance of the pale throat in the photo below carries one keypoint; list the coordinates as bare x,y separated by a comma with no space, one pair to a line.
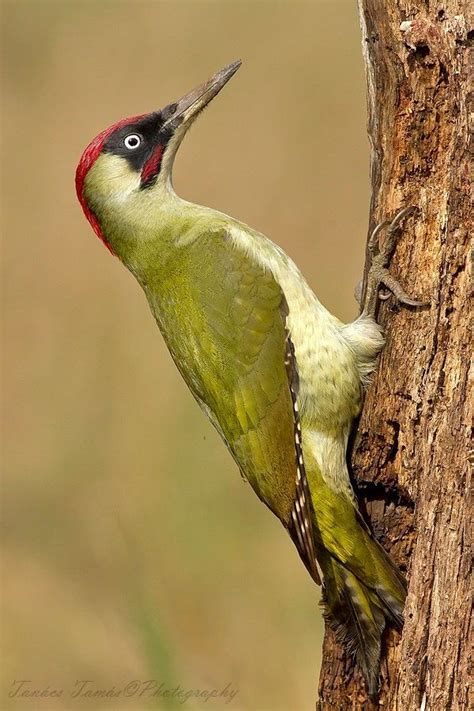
112,190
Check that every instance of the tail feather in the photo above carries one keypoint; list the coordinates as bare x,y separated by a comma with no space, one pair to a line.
392,588
363,588
358,613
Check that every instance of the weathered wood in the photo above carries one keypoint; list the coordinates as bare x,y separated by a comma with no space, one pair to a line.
411,453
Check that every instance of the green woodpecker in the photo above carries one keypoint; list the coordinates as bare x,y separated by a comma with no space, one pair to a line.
279,377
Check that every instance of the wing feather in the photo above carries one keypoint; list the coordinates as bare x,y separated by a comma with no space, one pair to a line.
224,319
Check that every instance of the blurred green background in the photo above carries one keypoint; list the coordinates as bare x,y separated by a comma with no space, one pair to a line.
132,548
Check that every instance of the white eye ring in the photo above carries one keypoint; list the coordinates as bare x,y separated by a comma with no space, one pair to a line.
132,141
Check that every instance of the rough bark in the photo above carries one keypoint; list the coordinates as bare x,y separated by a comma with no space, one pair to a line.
411,452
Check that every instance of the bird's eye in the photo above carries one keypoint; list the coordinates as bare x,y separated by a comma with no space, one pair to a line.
132,141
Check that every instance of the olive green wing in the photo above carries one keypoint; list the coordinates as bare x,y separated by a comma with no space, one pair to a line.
233,349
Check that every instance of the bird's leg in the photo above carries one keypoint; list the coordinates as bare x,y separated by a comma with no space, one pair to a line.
378,273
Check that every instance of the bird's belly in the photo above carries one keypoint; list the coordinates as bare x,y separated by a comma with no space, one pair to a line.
330,389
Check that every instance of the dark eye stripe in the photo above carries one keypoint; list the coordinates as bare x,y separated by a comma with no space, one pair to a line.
144,158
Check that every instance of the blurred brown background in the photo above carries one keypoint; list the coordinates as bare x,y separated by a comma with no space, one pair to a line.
132,549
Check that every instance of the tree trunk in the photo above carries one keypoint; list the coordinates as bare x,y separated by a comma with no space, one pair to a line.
411,454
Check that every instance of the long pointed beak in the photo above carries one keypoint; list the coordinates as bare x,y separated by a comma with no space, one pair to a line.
192,103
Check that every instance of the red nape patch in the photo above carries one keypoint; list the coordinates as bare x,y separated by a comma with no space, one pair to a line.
151,167
88,159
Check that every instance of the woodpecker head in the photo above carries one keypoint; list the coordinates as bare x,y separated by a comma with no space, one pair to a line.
133,159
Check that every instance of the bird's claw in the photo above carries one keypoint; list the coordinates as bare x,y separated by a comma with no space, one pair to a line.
378,273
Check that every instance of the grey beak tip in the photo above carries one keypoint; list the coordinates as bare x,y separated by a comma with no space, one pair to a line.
232,67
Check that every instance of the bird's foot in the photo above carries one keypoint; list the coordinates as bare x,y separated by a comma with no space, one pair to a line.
378,274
